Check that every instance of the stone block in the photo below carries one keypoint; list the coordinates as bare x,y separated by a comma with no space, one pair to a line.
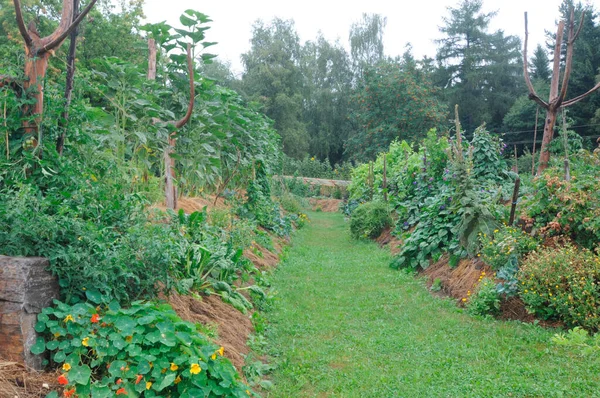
25,288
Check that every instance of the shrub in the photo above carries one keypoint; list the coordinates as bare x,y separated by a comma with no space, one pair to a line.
145,349
290,203
506,246
563,284
369,220
486,299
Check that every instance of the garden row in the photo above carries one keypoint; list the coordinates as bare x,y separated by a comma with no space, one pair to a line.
449,200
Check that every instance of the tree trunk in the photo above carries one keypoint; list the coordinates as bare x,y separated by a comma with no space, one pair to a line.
551,115
35,73
170,188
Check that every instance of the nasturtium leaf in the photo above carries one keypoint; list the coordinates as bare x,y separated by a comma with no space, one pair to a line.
166,382
80,374
52,345
60,357
39,346
43,317
52,394
143,367
101,391
40,327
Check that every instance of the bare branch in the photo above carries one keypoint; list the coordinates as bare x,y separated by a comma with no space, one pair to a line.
532,94
579,28
580,97
188,115
556,63
21,24
568,60
61,36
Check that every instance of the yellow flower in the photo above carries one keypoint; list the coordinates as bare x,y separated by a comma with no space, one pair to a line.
148,385
174,367
85,342
213,356
56,334
177,380
464,300
313,159
221,351
66,367
129,339
69,318
195,369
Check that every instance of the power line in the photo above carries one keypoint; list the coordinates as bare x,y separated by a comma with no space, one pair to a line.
531,131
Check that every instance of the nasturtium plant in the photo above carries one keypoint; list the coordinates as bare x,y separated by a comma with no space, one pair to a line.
142,350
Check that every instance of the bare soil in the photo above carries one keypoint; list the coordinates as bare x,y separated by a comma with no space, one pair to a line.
387,239
233,327
457,282
326,205
18,381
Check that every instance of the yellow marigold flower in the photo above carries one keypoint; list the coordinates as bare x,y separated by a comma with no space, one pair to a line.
174,367
148,385
85,342
195,369
213,356
66,367
69,318
177,380
221,351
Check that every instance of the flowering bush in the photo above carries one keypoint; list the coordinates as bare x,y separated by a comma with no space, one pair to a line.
142,350
506,246
563,284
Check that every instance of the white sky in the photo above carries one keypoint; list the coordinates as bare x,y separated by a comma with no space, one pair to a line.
414,21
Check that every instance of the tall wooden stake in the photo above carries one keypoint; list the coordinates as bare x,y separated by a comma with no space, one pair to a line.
537,113
385,196
515,197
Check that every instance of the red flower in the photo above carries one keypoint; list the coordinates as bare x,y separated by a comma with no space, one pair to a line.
95,318
119,381
121,391
62,380
68,393
139,378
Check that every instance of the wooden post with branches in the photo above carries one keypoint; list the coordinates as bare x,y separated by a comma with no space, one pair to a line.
37,53
556,100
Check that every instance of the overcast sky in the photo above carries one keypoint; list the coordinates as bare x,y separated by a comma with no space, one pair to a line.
414,21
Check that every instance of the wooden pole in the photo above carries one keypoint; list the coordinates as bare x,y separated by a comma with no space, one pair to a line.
515,197
385,196
516,161
537,114
566,144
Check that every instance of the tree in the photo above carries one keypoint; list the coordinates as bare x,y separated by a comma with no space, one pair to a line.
395,101
557,99
366,42
540,65
328,84
37,53
273,77
479,71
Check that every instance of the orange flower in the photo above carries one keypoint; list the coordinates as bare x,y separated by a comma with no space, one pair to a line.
121,391
95,318
119,381
68,393
62,380
139,378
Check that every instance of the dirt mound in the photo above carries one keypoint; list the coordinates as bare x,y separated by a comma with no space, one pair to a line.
190,205
261,257
387,239
458,281
326,205
18,381
233,327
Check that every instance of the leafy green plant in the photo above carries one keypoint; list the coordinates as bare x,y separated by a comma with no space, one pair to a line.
485,300
578,340
506,245
369,220
144,350
563,284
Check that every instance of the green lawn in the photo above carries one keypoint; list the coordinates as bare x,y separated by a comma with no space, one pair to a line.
345,324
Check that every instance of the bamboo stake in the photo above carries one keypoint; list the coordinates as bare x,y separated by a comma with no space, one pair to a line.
537,113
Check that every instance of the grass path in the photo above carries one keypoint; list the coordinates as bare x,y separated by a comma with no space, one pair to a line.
346,325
